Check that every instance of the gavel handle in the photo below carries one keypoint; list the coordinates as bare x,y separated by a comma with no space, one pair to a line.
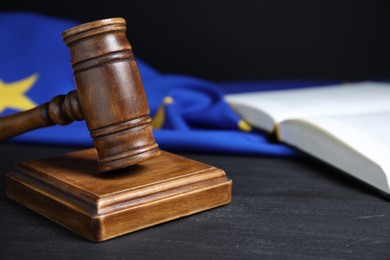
61,110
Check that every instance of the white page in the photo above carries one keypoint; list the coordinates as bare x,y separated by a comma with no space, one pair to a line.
351,98
357,144
368,133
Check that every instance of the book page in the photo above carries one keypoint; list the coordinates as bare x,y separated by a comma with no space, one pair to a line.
368,133
376,126
346,99
357,144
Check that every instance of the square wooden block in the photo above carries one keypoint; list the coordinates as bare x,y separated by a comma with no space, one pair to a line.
70,190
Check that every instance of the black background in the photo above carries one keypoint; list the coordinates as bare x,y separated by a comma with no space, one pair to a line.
246,40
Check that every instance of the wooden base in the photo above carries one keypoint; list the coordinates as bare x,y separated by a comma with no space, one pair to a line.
70,190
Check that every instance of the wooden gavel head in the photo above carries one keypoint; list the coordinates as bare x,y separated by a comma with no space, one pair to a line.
111,93
110,97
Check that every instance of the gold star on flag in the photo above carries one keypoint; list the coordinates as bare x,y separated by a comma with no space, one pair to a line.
13,95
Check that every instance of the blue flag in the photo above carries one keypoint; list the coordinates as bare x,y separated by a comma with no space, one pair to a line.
189,114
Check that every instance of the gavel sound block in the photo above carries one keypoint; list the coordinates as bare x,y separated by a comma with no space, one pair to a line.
126,183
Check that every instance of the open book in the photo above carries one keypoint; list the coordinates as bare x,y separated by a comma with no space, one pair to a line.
346,126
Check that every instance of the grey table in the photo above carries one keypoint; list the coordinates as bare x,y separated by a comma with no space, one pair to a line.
282,208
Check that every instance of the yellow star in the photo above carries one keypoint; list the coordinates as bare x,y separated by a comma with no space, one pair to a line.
12,95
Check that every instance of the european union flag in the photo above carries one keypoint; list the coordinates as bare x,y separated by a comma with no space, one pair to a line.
189,114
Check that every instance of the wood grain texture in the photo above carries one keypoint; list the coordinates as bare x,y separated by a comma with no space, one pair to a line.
70,190
110,97
111,93
61,110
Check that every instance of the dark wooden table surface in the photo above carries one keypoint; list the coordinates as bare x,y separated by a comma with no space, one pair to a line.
283,208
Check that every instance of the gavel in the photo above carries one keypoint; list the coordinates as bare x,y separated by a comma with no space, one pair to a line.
109,95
